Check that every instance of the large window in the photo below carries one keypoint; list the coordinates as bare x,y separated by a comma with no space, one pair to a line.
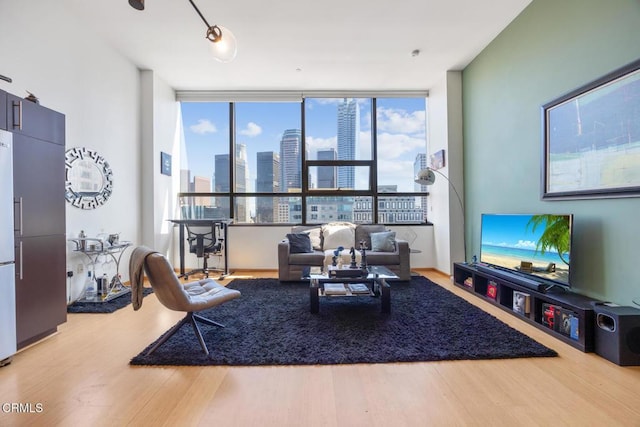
329,159
204,163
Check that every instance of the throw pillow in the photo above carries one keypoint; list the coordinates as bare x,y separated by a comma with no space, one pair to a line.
334,235
299,243
383,242
316,237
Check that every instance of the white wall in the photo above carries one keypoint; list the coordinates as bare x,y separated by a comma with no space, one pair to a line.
445,132
160,133
49,52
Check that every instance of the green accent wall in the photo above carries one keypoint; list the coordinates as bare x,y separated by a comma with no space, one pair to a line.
551,48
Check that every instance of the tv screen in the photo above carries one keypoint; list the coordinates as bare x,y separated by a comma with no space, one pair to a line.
535,245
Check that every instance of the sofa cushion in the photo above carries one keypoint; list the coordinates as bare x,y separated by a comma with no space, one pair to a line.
338,234
363,233
299,243
315,234
314,258
383,242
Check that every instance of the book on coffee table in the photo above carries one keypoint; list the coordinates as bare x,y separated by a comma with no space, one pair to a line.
358,288
334,289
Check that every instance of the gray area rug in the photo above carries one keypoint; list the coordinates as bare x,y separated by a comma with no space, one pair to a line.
270,324
104,307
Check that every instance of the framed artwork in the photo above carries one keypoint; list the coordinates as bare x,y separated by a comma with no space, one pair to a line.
437,160
165,163
591,139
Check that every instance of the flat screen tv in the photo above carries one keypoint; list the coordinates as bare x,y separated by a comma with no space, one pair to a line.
537,245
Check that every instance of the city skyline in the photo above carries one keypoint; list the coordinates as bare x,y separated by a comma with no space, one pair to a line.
260,126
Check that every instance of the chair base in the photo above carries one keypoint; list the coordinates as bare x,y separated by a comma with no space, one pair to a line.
205,272
193,319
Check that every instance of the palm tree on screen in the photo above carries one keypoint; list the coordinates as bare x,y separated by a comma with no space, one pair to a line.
555,236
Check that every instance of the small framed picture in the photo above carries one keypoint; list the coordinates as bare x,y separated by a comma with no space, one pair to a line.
165,163
437,160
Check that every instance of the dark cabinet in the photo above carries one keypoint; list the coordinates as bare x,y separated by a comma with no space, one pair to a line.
39,220
41,294
38,187
3,110
31,119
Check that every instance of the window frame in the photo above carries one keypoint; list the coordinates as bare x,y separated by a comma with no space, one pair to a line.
307,192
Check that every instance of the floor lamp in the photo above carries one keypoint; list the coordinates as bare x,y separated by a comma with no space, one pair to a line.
428,177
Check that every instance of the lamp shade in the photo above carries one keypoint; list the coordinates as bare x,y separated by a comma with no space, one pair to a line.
137,4
226,47
425,177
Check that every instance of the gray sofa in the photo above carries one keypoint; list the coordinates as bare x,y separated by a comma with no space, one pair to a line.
292,265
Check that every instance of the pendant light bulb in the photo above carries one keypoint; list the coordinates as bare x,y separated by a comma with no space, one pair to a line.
223,43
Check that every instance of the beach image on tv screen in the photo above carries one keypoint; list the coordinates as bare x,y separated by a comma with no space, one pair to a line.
533,244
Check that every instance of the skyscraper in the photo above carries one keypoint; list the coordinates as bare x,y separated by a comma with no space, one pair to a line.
348,135
268,181
421,163
327,174
241,182
221,183
201,184
242,169
290,160
221,173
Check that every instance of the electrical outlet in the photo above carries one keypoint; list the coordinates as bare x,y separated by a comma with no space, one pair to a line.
80,268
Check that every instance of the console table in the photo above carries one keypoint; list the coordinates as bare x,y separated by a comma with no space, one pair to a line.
93,248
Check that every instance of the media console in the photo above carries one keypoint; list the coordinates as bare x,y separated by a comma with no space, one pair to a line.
536,285
563,314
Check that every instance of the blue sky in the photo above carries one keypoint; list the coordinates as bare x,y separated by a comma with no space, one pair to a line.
401,132
509,231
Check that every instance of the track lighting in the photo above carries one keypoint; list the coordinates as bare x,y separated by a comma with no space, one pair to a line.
223,42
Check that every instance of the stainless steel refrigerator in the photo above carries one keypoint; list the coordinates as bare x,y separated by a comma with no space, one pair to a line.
7,252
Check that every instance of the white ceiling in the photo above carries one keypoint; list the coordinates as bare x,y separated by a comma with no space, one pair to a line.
302,44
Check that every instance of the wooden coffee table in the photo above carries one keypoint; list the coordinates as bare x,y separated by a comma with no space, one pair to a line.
375,280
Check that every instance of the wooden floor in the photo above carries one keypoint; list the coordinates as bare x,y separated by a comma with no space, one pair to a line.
81,377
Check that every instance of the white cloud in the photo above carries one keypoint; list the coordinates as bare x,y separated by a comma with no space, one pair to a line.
399,121
396,172
251,130
315,144
391,146
525,244
203,127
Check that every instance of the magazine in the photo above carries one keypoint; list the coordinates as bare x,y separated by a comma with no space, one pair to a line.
358,288
334,289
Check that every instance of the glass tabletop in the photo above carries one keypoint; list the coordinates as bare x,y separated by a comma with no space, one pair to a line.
374,271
